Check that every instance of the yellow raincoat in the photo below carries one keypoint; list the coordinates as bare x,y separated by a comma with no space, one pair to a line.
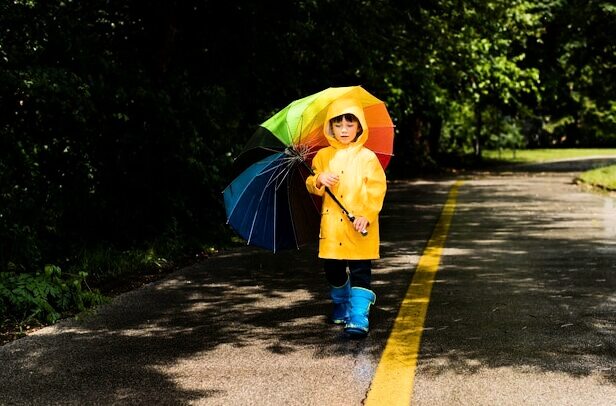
361,190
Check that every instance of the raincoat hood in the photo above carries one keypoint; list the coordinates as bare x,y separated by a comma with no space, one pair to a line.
338,108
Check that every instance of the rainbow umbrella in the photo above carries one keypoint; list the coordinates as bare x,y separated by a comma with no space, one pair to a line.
268,204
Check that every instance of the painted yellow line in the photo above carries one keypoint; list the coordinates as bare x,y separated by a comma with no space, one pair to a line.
395,374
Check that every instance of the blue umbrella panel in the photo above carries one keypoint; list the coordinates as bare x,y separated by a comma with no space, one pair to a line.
269,206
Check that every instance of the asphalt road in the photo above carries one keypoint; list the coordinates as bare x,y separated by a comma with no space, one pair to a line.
523,311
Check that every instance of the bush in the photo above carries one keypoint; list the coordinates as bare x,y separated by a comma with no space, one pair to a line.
44,297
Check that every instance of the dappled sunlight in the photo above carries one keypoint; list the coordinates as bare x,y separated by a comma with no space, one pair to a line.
547,305
609,218
456,251
506,295
394,263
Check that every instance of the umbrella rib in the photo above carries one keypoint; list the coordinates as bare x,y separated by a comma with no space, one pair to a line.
275,174
243,191
287,171
277,151
290,215
293,161
254,218
309,149
299,146
287,162
278,179
270,169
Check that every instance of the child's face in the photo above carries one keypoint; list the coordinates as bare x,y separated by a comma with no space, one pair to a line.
345,131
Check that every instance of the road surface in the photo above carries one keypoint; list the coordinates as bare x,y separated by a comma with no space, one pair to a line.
521,311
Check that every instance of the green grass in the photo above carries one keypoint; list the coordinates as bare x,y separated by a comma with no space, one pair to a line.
604,178
543,155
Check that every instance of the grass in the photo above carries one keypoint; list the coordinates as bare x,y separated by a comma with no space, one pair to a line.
543,155
604,178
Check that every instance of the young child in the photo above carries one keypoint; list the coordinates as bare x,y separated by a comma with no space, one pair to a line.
355,176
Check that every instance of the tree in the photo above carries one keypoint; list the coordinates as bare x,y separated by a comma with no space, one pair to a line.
577,59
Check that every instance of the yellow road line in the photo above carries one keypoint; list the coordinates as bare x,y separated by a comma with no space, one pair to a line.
395,374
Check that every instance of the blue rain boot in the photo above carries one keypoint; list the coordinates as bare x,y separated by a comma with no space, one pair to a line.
340,296
358,325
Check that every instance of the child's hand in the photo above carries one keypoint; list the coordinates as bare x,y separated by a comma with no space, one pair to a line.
328,179
360,223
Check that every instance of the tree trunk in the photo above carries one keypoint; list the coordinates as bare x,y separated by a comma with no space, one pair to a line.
477,144
434,136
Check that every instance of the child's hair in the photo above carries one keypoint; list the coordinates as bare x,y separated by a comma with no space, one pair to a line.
348,117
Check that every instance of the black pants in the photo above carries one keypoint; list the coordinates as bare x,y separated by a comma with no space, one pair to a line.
360,272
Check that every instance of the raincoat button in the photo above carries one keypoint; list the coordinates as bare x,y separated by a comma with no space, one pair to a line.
340,244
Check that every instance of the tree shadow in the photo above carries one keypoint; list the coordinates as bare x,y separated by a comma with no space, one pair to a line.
242,298
526,283
514,289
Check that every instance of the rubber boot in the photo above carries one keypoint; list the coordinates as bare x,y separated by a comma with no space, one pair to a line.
361,299
340,296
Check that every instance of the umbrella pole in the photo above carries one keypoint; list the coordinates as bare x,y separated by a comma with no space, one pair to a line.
350,216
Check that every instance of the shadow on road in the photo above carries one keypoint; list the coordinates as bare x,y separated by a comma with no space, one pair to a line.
527,280
243,298
515,289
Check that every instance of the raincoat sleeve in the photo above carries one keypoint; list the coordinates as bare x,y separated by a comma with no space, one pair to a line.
375,185
311,181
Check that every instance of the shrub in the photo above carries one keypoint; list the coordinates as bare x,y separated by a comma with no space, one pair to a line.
45,296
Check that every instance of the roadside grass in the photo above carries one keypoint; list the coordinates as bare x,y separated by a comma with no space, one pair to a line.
604,178
543,155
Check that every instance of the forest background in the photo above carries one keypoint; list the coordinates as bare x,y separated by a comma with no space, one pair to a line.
120,119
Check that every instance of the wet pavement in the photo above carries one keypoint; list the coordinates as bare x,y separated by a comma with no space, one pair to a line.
523,311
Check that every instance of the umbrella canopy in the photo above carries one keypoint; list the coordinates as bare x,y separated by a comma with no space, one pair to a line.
267,203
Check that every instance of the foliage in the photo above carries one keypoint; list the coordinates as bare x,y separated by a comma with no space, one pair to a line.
98,146
577,59
104,264
120,120
44,297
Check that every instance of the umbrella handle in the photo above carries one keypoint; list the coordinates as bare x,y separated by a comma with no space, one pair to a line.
351,217
345,211
292,152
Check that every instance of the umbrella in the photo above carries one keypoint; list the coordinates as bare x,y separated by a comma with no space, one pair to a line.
268,204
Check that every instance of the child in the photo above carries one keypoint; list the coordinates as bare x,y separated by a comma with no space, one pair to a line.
355,176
